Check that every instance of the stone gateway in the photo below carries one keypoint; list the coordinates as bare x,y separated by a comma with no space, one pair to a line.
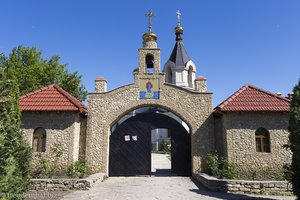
113,134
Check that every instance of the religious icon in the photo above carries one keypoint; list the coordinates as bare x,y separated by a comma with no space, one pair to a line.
149,89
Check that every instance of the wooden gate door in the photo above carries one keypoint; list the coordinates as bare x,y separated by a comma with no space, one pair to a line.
130,149
130,146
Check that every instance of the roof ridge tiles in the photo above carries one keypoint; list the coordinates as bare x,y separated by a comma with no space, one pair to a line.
252,98
76,102
230,98
269,93
48,96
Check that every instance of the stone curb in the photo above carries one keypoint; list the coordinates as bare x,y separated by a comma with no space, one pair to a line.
243,186
65,184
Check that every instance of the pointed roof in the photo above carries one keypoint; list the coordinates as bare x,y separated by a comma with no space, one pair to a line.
51,98
251,98
179,55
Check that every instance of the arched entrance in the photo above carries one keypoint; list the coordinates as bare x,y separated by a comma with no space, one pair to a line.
130,145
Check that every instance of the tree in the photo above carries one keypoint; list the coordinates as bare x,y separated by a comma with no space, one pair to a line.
294,139
15,153
31,71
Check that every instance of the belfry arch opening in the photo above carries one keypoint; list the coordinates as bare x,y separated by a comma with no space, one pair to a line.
140,137
149,63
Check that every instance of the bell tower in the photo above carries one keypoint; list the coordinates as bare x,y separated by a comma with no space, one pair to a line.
149,54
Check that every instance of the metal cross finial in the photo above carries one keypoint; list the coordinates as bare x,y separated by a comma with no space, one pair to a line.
150,14
178,17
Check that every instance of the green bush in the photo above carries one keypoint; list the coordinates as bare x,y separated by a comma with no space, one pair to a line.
78,169
220,167
15,153
254,174
213,164
166,146
227,169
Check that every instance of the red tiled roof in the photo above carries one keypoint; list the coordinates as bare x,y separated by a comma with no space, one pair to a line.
250,98
51,98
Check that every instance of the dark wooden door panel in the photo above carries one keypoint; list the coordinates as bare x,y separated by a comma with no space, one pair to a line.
127,156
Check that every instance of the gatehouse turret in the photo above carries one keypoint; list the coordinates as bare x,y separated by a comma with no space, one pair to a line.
180,69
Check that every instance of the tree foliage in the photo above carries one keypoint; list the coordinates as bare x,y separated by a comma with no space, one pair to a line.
294,138
15,153
32,72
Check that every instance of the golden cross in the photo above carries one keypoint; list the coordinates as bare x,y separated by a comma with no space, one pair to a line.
178,17
150,14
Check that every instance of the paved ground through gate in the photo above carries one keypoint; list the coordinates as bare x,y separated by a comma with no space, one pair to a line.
160,164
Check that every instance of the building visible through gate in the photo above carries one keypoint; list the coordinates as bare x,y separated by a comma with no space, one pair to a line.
125,148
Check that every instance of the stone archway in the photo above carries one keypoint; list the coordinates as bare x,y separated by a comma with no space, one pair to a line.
106,108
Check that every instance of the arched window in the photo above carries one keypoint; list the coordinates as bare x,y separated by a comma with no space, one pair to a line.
262,140
149,63
39,140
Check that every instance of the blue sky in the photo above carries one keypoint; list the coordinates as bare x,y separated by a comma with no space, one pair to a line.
232,42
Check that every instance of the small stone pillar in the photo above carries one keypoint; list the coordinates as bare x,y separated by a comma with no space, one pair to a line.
200,84
100,85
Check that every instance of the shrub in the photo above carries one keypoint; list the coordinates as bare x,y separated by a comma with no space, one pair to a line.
213,164
166,146
260,173
227,169
48,168
78,169
221,167
42,169
15,153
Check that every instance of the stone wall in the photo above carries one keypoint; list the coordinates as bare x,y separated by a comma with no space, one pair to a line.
63,132
65,184
105,109
242,186
239,140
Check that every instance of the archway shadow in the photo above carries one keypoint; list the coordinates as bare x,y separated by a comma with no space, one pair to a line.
222,195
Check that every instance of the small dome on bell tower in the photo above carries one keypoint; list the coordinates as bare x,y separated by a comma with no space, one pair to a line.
180,69
149,54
